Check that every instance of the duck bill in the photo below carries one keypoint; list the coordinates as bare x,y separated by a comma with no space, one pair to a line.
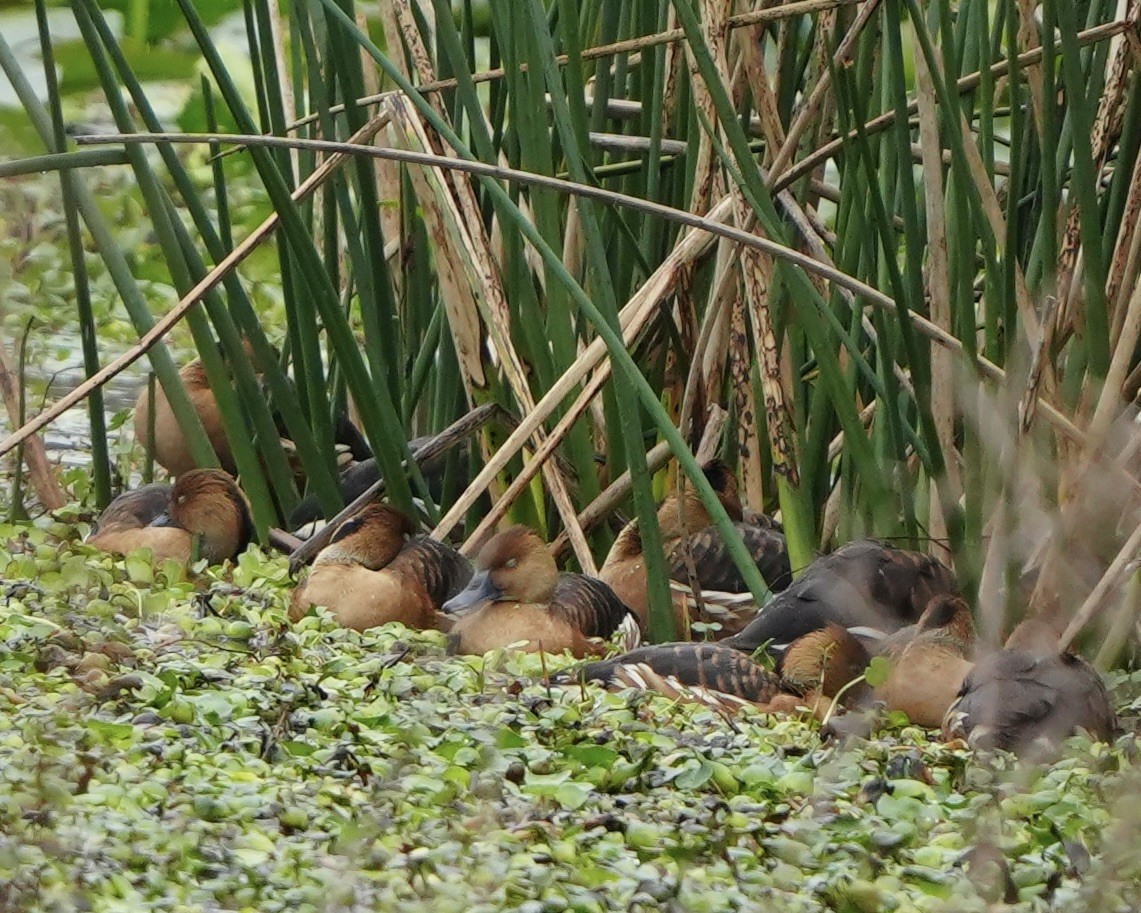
163,519
478,591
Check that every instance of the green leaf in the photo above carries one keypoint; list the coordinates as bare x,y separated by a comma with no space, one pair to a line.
111,732
878,671
139,567
592,755
694,777
508,738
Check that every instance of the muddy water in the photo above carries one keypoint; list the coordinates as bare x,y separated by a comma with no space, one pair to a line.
68,439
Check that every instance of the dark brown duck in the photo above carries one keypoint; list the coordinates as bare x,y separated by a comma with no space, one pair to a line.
705,673
864,584
1028,697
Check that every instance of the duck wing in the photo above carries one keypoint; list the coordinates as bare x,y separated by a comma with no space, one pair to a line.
864,584
714,565
590,605
710,673
134,509
441,570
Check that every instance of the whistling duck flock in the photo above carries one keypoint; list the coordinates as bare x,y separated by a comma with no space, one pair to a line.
868,605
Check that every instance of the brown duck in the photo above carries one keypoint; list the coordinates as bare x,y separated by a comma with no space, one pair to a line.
203,504
1028,697
691,542
169,445
929,661
374,571
819,665
518,595
864,584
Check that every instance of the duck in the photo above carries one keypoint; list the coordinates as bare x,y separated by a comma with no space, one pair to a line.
203,504
690,540
813,672
929,661
517,595
357,476
376,570
820,666
169,445
705,673
1029,696
866,585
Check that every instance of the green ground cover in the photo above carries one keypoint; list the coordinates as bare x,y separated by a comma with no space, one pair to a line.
175,744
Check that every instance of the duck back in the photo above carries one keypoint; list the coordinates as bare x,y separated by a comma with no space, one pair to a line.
440,569
134,509
1013,698
710,667
863,584
714,565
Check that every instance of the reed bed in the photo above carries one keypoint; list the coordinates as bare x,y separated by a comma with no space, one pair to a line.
896,244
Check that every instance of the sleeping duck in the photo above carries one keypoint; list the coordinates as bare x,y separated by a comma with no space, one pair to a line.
691,542
169,445
518,595
1028,697
374,570
203,513
927,662
863,585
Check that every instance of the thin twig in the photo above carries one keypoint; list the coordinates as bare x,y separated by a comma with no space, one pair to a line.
47,488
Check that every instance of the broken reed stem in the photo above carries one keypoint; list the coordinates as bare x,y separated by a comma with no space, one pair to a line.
43,478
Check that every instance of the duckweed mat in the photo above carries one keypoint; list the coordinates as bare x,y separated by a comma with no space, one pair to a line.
175,744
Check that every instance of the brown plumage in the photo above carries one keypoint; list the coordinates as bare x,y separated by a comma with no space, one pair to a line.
862,584
371,573
709,674
204,503
1028,697
688,536
929,661
169,445
518,595
715,568
822,662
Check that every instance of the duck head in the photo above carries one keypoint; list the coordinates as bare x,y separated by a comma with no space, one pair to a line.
514,566
682,513
208,503
1034,635
372,537
949,614
826,660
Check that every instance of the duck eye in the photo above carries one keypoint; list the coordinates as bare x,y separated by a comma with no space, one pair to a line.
511,562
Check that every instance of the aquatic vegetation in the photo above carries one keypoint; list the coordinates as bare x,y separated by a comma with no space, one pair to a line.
174,741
